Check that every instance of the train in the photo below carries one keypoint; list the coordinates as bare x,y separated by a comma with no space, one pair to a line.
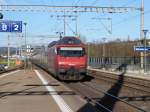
66,58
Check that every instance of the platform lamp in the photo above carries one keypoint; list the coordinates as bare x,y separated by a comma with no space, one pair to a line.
145,58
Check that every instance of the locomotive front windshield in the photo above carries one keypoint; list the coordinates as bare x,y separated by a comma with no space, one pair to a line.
71,52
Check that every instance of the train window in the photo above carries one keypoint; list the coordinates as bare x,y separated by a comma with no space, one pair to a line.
71,53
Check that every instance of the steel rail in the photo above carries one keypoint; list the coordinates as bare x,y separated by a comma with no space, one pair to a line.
90,100
104,92
125,83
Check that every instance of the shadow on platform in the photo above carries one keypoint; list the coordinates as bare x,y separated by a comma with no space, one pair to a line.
25,93
42,85
29,91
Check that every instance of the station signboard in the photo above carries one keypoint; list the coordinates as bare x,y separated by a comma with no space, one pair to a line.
11,26
141,48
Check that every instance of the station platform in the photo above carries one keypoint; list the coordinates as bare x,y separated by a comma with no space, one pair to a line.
36,91
138,75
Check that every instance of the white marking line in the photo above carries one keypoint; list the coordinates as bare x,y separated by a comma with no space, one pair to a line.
1,76
59,100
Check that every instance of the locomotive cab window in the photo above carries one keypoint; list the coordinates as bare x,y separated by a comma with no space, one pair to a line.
71,52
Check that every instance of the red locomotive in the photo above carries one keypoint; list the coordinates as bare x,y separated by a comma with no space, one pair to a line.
66,59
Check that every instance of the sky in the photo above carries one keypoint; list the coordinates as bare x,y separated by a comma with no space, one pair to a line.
90,26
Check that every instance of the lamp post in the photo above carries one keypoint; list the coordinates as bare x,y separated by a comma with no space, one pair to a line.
145,58
25,64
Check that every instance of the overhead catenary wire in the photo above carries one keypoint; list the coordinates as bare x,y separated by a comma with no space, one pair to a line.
52,2
70,28
76,2
131,18
126,19
94,2
129,3
126,4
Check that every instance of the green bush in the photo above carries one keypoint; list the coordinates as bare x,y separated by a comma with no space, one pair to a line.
4,61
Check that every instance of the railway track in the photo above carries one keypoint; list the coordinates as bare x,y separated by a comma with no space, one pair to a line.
129,82
110,94
11,69
113,95
102,100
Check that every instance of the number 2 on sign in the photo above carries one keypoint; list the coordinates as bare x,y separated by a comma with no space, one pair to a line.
16,27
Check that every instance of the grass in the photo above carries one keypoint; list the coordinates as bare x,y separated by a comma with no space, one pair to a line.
4,61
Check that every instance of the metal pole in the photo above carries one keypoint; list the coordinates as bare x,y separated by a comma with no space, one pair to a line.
111,25
88,54
64,24
8,55
16,50
21,49
145,54
141,32
76,26
25,63
20,46
145,57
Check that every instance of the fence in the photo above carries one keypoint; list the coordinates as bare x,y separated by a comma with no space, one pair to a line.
118,63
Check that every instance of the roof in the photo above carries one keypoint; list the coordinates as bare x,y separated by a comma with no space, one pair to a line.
69,40
66,40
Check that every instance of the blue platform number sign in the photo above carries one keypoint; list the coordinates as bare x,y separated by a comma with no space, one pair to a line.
11,26
4,27
16,26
